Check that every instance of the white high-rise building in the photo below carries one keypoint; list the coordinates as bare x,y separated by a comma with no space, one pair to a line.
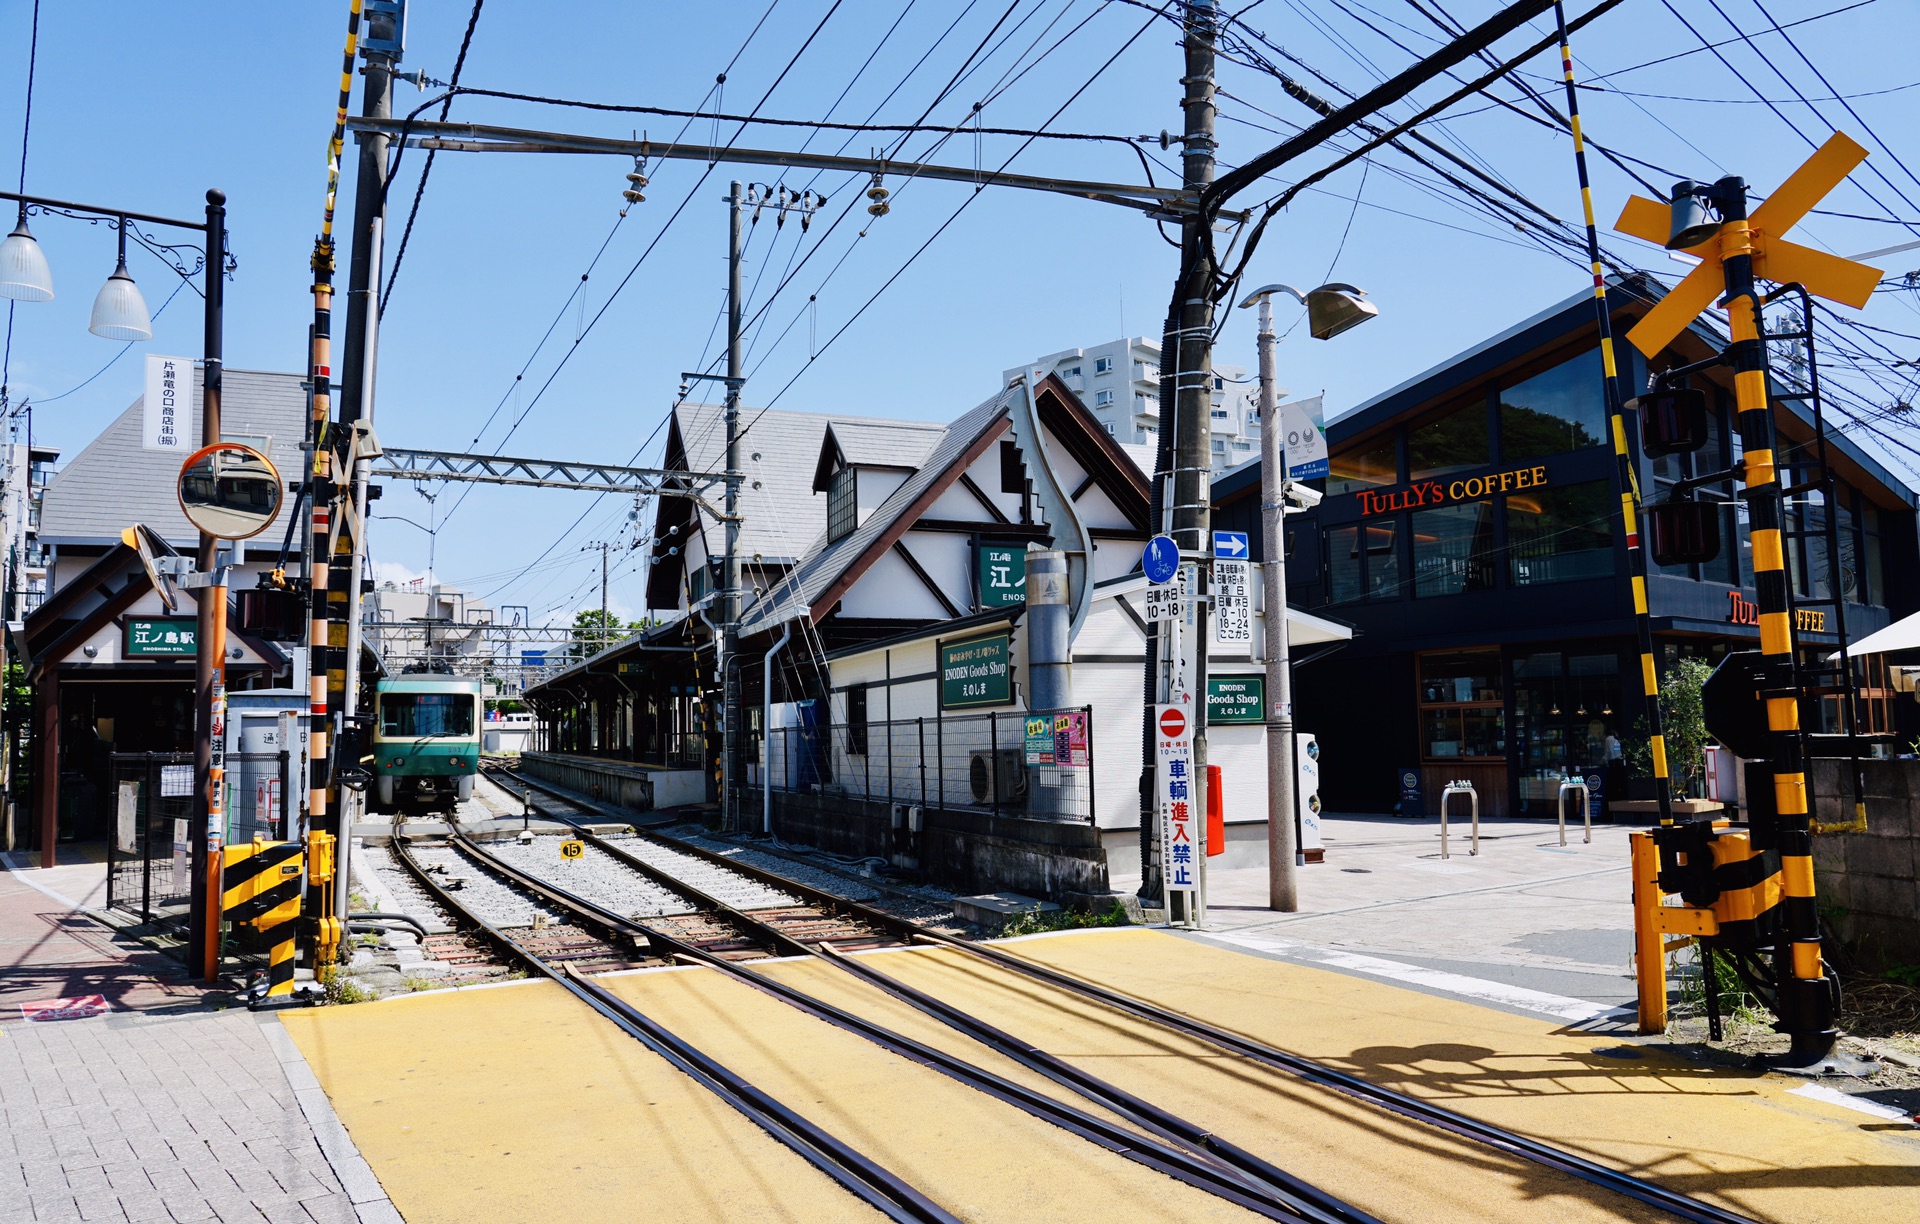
1120,382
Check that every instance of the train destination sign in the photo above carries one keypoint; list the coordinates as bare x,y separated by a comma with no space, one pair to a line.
976,672
1426,493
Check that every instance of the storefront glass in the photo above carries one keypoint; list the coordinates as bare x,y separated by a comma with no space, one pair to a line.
1343,565
1454,442
1564,720
1462,714
1561,535
1383,560
1373,468
1453,549
1559,410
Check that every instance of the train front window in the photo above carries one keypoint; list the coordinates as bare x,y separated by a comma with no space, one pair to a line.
405,715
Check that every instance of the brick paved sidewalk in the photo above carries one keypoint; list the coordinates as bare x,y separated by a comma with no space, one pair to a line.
170,1107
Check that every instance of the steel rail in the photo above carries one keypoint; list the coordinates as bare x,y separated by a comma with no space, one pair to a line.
856,1173
1672,1201
1163,1123
1500,1138
1276,1195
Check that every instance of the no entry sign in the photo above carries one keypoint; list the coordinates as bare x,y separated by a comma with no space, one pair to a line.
78,1008
1173,723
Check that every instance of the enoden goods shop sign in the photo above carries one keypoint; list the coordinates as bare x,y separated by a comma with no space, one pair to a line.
1426,493
976,672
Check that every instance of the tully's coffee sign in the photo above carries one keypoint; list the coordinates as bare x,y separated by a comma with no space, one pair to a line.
976,672
1428,493
1741,611
161,637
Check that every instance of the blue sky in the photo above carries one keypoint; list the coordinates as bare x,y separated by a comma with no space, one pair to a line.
145,105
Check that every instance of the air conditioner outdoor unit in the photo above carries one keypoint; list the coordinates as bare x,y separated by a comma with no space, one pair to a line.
997,777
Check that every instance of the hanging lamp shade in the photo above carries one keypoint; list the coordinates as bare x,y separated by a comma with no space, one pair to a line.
24,275
119,312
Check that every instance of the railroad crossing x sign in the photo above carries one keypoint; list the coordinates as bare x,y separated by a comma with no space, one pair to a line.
1776,259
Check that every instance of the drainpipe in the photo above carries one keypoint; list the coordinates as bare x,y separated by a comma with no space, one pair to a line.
766,729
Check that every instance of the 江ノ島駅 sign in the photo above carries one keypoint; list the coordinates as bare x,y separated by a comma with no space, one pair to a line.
976,672
161,637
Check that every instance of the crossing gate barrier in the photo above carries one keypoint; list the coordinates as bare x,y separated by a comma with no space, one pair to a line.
260,885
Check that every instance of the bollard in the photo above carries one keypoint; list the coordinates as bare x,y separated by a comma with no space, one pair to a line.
1586,810
1459,787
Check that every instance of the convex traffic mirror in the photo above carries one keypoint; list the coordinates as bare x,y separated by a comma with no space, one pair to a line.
229,491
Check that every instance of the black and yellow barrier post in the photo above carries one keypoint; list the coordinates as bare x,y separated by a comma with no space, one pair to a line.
1756,887
260,886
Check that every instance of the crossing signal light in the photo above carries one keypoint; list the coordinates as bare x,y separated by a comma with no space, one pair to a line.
1683,531
1673,420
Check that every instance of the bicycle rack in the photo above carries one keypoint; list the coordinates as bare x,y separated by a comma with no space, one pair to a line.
1473,796
1586,809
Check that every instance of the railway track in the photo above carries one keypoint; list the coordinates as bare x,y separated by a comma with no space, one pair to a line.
1165,1126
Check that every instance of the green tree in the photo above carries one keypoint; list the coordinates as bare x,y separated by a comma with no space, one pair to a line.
1685,722
594,631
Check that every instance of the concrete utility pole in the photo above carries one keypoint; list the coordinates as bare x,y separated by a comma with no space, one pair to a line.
730,578
1186,402
1283,886
606,631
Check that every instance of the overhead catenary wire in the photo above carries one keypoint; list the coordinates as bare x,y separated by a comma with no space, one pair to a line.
426,171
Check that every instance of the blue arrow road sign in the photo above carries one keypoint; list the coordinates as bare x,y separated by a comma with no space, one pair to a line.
1229,543
1161,559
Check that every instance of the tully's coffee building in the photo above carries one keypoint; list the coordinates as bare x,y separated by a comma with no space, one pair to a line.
1469,535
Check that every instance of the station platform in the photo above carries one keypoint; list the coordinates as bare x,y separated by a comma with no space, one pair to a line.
516,1102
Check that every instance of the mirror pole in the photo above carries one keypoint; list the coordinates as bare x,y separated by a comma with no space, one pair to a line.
204,925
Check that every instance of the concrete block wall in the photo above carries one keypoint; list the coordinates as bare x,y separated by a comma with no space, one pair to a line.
972,852
1874,877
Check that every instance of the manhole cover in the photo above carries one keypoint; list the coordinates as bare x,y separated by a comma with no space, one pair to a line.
1358,870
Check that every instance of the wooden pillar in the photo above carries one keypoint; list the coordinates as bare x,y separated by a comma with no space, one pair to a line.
46,736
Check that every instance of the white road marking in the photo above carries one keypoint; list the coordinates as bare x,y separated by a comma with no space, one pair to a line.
1833,1096
1560,1007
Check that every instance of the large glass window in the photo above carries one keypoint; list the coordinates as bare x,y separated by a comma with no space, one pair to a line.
1564,720
1453,549
1373,468
1343,565
1560,535
406,715
1876,583
1454,442
1561,409
843,512
1461,712
1383,559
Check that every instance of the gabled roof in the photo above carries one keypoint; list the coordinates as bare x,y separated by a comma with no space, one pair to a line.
818,580
115,482
781,515
884,444
829,561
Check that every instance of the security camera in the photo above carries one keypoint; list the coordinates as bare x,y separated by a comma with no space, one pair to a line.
1299,496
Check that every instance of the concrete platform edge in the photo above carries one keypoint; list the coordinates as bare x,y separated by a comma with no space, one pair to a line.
363,1189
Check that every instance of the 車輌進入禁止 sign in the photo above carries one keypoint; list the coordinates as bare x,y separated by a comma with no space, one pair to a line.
1000,575
1236,699
161,637
1177,800
976,672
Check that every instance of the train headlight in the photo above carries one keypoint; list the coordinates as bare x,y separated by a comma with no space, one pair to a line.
399,761
458,763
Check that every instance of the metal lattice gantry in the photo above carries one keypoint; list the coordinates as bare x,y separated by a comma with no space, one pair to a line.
540,473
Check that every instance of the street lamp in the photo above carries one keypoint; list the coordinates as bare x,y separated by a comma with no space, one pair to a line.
120,313
1331,309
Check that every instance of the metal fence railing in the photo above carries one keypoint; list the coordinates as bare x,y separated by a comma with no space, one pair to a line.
152,800
1036,763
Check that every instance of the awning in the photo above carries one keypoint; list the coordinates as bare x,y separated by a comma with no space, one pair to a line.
1900,635
1306,629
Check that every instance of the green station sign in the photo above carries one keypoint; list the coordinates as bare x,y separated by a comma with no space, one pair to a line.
162,637
1236,699
1000,575
976,672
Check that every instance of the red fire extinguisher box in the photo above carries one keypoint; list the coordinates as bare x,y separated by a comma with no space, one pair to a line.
1216,811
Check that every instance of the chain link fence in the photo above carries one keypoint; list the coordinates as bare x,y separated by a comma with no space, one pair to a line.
1035,763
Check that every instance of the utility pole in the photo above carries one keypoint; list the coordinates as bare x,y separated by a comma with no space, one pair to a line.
730,578
380,48
606,629
1283,885
1186,401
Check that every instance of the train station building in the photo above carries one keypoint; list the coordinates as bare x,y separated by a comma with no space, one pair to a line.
1469,533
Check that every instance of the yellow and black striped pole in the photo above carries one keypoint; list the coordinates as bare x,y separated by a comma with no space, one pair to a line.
260,887
1627,482
320,484
1806,1000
